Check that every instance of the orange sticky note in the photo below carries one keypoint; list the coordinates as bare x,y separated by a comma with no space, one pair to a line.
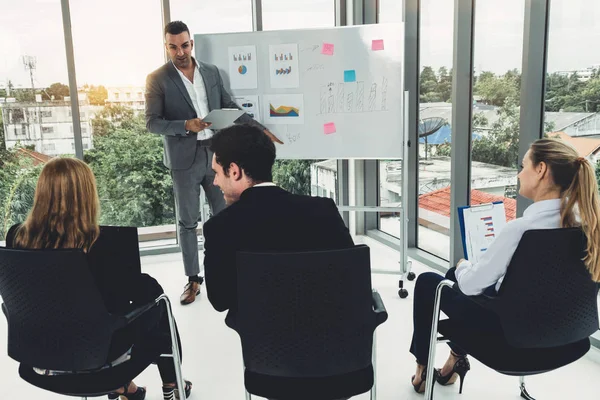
329,128
377,45
327,49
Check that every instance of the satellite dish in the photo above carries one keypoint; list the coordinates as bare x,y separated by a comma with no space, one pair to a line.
429,126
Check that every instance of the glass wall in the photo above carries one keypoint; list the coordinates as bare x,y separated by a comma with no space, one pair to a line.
573,76
213,16
435,118
498,57
34,120
293,14
112,60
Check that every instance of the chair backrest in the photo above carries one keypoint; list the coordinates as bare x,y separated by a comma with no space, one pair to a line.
56,317
305,314
548,298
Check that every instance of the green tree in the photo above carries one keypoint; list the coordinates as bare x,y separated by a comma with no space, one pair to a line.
591,95
428,86
18,179
564,93
116,116
293,175
134,186
97,95
444,87
56,91
496,90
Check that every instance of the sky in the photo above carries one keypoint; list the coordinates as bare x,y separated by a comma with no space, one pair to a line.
118,42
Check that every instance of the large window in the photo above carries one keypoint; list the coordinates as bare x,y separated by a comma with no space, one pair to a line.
435,117
112,55
32,58
496,94
293,14
573,80
213,16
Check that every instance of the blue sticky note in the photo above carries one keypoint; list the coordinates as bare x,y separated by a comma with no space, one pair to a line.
350,75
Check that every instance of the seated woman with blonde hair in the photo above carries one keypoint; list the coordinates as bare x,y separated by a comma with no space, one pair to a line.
65,216
564,191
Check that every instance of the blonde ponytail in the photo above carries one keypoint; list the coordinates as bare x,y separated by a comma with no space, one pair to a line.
580,202
583,194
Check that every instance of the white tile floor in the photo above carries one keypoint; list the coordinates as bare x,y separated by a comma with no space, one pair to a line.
212,353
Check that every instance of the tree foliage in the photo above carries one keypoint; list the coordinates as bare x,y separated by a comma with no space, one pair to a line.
293,175
56,91
18,178
134,186
97,95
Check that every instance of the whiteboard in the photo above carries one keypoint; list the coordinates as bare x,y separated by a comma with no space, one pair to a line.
326,93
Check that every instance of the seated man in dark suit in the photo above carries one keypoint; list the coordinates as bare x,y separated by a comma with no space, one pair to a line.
260,215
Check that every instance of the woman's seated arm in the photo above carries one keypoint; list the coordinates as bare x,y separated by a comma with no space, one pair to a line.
473,279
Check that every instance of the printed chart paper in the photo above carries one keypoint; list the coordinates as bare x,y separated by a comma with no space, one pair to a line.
283,64
250,105
482,226
283,109
243,67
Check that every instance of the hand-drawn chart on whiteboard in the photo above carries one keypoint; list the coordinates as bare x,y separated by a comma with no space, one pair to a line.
326,93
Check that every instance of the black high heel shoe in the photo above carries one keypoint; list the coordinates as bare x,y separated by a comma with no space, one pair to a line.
459,370
139,394
420,387
172,393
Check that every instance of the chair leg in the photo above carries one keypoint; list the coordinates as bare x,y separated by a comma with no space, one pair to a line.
429,382
374,362
248,395
524,393
174,348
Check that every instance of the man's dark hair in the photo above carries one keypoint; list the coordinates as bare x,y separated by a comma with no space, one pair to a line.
176,27
248,147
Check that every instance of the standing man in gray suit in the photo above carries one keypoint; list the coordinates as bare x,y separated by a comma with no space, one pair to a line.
178,95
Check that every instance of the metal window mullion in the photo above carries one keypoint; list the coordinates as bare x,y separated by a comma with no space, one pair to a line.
462,110
66,16
533,79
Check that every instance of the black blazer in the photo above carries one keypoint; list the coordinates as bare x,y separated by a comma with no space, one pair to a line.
266,219
120,294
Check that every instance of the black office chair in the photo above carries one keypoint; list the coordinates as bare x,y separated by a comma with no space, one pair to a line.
306,322
57,321
547,307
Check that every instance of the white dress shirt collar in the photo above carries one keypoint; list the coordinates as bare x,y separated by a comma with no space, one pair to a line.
265,184
542,206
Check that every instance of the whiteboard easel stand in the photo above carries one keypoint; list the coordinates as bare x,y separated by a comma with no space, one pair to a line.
405,264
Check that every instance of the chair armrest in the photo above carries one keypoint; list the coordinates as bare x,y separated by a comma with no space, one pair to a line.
381,314
482,300
131,316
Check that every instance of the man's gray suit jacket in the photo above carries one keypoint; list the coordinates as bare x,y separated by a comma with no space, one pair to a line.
168,106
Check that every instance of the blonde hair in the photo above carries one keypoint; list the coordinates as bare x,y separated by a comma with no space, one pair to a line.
65,208
579,191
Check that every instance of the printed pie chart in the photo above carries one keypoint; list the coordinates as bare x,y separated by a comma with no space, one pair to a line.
242,69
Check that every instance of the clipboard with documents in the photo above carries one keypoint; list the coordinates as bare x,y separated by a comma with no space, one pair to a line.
479,226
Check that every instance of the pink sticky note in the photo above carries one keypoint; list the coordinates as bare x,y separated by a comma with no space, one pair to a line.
329,128
327,49
377,45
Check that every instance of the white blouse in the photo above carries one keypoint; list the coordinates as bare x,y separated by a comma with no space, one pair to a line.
473,279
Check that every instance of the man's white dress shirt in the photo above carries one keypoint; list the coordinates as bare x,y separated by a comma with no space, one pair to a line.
473,279
197,92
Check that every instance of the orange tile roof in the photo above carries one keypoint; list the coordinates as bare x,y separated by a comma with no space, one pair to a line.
584,146
439,202
38,158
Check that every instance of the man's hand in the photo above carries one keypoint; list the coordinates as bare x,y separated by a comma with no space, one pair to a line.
272,136
459,261
196,125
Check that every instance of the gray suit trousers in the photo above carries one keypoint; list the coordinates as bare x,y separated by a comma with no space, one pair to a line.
186,185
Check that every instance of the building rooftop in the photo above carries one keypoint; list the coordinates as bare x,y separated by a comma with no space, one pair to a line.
585,146
439,202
